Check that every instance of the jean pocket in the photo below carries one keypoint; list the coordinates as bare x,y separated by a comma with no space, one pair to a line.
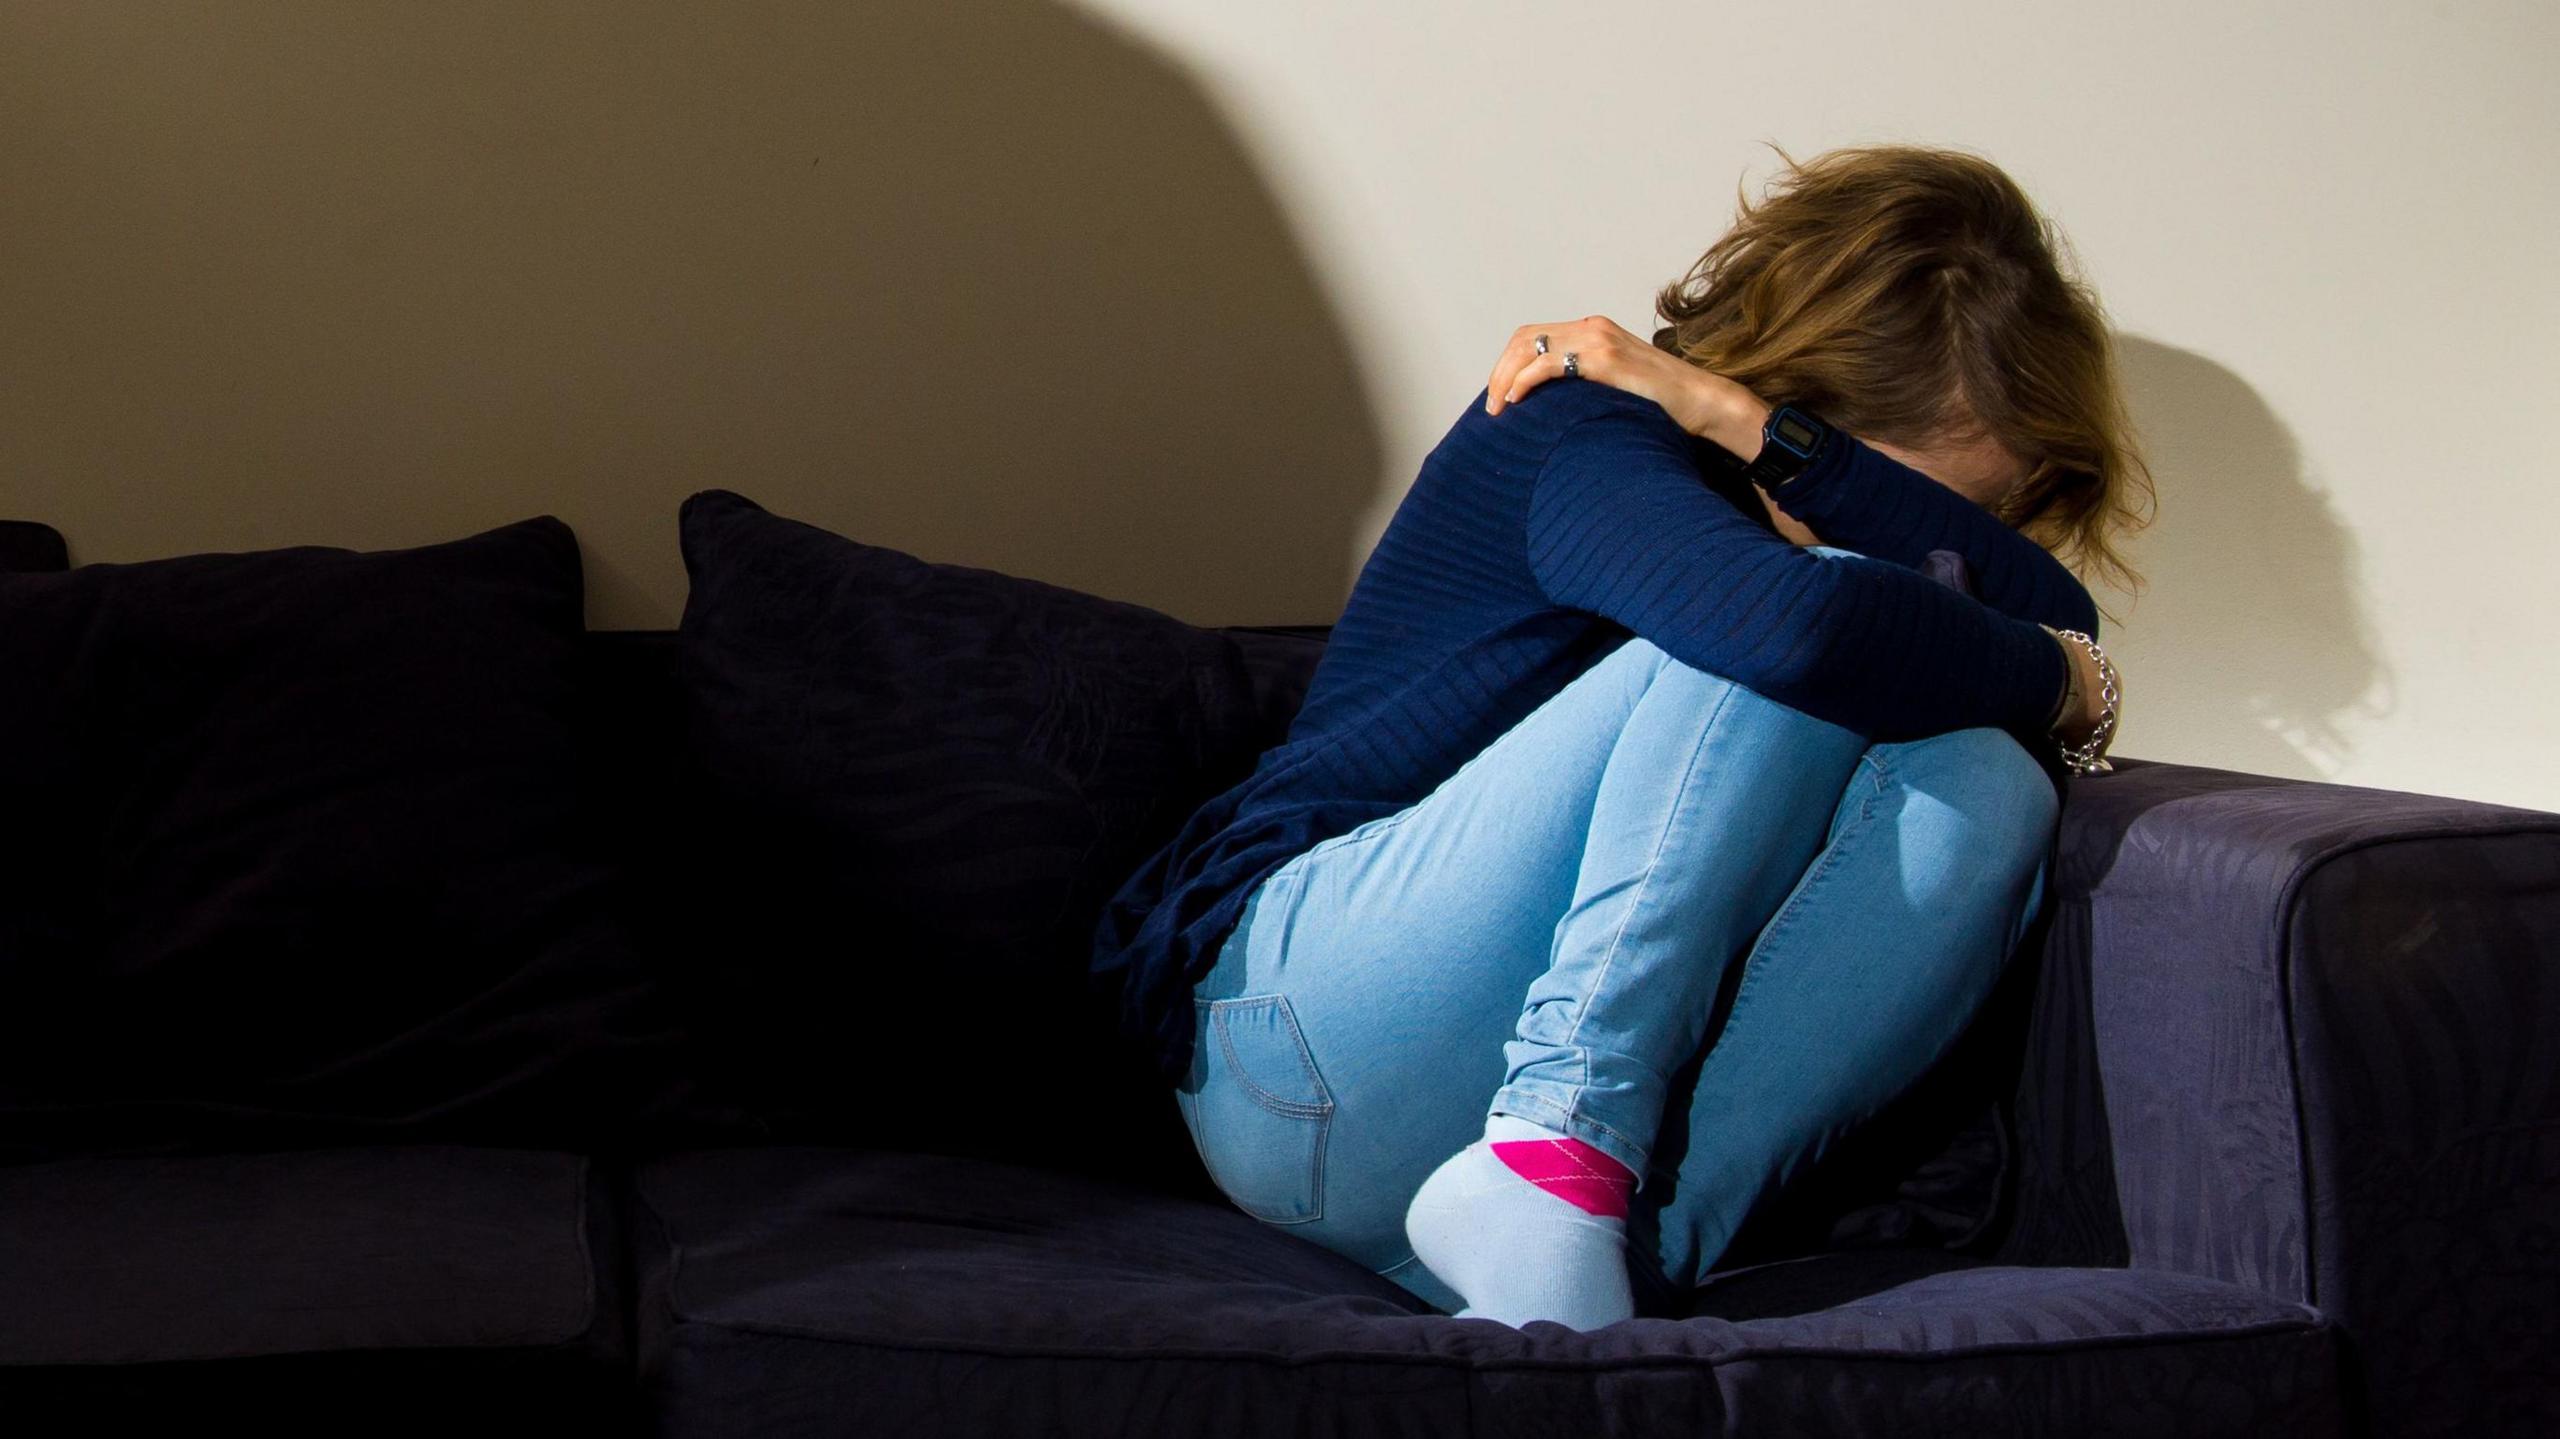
1257,1108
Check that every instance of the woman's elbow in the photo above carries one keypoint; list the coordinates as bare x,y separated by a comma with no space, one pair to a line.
2079,612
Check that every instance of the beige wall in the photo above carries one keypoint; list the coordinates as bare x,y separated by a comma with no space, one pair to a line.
1165,299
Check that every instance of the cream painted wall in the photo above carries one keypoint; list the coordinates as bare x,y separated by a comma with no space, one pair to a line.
1166,299
2324,233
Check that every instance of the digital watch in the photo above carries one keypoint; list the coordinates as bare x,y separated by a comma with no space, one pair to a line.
1789,440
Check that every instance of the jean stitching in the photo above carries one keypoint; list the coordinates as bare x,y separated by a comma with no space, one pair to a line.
1568,1116
1366,830
1653,862
1608,960
1319,1116
1279,879
1407,1262
1813,881
1510,1099
1289,1108
1831,852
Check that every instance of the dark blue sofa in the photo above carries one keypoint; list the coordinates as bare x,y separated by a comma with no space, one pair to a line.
2261,1136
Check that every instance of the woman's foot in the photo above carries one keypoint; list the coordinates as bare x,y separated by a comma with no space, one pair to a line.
1528,1223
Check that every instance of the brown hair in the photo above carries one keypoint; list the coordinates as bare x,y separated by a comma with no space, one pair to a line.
1911,294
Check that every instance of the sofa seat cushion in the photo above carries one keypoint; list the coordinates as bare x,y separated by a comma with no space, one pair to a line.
337,1290
792,1291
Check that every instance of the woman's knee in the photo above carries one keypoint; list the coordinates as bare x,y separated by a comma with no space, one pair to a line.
1988,788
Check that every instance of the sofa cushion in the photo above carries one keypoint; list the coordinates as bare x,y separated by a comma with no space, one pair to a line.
804,1291
26,545
292,856
349,1290
922,781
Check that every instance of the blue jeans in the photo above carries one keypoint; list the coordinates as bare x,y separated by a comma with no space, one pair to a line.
1545,934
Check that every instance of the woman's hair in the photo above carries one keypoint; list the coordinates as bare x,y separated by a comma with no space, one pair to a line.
1912,294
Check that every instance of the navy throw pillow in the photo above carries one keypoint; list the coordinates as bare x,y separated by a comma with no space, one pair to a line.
290,855
925,779
27,545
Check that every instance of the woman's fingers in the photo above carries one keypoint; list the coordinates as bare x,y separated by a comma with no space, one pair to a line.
1519,351
1538,370
1522,369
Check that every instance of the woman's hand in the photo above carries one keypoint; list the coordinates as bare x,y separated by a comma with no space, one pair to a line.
1704,403
1722,411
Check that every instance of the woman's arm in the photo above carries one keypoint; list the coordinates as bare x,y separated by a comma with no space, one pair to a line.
1855,496
1859,498
1622,524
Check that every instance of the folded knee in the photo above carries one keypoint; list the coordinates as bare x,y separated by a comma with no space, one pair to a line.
1994,800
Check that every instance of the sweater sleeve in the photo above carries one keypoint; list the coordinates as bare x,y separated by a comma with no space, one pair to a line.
1622,524
1857,497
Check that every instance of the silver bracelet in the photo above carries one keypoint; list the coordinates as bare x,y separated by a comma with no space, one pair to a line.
2089,756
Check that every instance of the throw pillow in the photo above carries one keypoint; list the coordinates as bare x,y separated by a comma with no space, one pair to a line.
289,855
27,545
924,780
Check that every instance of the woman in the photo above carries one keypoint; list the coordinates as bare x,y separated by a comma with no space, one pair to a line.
1644,706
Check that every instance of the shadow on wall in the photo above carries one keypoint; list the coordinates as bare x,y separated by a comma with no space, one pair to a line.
978,279
2251,642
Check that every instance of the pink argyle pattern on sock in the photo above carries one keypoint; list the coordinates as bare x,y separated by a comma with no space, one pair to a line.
1571,1170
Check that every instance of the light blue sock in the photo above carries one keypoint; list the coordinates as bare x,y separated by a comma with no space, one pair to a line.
1514,1251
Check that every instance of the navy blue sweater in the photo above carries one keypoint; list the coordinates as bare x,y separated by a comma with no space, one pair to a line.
1530,545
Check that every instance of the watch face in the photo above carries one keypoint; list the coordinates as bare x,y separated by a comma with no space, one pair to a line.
1794,431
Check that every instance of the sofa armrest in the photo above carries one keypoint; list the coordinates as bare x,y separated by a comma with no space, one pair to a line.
2306,1037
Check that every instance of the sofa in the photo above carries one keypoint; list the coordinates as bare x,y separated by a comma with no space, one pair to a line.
429,1015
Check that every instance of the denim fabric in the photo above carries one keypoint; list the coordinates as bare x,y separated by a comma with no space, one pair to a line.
1654,862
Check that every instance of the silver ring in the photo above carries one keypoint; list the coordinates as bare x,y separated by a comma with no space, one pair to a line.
1542,344
1570,372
